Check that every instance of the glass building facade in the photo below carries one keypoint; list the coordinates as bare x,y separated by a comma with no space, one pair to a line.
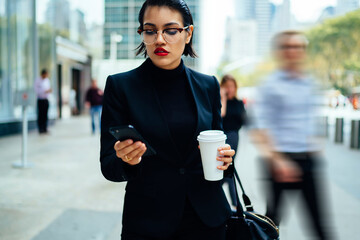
121,17
19,61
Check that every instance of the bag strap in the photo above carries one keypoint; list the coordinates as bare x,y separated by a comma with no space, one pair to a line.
239,208
246,199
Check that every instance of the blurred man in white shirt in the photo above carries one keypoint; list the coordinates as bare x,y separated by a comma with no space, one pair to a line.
286,130
43,89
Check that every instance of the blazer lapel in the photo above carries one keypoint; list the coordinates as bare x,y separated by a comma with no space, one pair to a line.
203,107
193,87
203,113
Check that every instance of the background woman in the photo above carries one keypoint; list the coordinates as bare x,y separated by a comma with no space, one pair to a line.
234,117
166,196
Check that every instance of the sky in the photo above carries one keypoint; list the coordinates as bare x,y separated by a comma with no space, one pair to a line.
307,10
93,10
303,10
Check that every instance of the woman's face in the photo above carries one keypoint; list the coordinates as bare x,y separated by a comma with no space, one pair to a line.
163,54
230,89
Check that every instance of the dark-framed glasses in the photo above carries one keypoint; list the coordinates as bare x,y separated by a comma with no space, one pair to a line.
292,46
170,35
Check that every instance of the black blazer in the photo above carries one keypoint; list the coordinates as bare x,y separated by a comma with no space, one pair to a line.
157,187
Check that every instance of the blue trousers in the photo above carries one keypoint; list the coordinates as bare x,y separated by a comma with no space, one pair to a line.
95,112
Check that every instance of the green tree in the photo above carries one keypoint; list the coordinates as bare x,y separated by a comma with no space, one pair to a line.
334,51
46,41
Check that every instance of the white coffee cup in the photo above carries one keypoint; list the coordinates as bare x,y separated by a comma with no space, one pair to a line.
209,142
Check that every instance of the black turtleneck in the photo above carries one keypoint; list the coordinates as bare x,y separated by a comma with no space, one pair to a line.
177,103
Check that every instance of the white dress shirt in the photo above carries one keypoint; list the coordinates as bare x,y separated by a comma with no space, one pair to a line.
41,88
285,108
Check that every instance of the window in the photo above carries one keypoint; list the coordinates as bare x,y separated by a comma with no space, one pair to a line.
3,60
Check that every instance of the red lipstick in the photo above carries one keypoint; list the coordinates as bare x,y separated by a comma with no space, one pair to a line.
161,52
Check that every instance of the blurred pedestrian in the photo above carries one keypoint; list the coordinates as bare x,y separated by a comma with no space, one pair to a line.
167,196
234,117
355,102
93,101
73,102
42,90
286,128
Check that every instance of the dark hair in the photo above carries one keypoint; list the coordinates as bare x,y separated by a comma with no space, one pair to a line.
228,78
44,71
178,5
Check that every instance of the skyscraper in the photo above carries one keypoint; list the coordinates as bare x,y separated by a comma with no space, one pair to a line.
58,14
241,39
263,19
77,26
245,9
121,17
282,19
260,12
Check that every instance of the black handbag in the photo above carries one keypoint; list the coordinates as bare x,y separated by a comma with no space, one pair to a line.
248,225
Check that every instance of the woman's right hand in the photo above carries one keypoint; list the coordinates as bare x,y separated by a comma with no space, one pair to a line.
130,151
223,94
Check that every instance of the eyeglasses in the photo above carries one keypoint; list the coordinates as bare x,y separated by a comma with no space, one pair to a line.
295,47
170,35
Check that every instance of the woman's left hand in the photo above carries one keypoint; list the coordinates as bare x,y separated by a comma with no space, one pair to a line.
225,155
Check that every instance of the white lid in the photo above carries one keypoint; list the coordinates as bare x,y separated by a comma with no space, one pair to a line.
211,132
211,136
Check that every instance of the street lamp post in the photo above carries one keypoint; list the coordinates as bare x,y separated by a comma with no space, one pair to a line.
114,40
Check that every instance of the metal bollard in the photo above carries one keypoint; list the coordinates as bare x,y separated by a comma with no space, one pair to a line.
339,130
322,126
355,134
24,163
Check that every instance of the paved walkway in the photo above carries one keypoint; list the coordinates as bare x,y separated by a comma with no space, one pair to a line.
64,196
341,189
64,185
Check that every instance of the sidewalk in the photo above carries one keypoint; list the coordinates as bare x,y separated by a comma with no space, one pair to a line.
64,196
342,190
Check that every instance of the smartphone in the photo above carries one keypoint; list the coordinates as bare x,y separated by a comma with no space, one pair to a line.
122,133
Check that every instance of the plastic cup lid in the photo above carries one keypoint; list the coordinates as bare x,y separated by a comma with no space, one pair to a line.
211,136
211,133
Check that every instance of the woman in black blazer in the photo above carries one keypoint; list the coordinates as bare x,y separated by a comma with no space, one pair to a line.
166,196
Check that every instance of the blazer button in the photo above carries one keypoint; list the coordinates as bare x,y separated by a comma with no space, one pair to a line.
182,171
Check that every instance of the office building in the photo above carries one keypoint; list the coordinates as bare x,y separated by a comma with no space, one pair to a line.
94,41
260,12
27,47
282,18
77,27
241,39
58,14
245,9
18,63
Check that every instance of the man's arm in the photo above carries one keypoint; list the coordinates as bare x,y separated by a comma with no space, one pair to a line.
283,170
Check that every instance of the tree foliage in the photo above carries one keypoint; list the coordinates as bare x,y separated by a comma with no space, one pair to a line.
46,41
334,51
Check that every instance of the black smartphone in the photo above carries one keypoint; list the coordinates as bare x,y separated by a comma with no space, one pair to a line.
122,133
